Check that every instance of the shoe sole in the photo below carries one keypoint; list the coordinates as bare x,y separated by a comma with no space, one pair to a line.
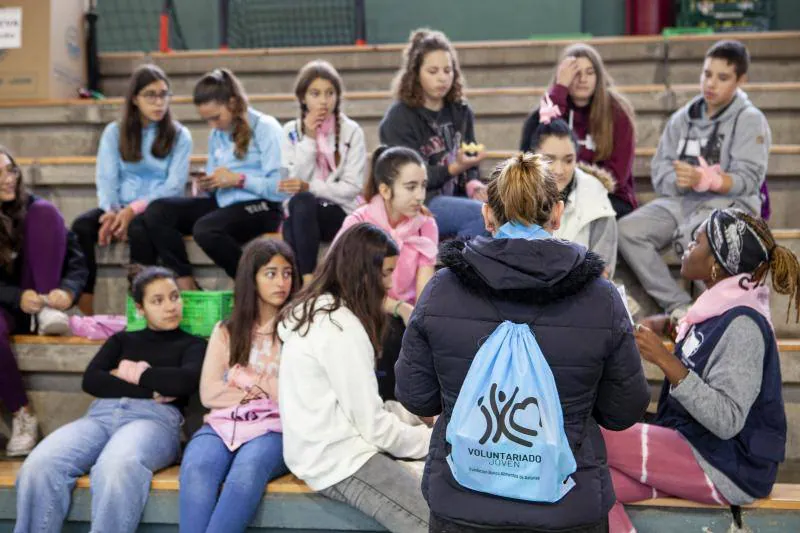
55,330
19,453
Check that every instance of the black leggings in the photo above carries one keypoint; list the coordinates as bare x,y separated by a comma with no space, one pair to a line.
392,342
87,226
311,221
621,207
219,231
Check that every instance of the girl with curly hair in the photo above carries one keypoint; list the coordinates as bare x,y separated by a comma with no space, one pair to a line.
430,115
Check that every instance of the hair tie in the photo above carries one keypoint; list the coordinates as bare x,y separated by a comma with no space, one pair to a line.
547,110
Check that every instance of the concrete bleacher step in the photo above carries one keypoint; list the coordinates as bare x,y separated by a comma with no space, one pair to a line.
289,504
73,127
782,175
631,60
52,368
69,181
58,362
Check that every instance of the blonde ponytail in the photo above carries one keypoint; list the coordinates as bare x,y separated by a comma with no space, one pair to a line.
521,189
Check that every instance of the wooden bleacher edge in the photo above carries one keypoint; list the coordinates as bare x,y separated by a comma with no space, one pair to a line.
379,95
784,496
777,149
784,345
465,45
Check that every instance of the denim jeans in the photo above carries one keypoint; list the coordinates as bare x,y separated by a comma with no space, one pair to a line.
388,492
208,463
120,442
457,216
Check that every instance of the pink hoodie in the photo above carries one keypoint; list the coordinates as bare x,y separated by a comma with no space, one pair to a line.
417,238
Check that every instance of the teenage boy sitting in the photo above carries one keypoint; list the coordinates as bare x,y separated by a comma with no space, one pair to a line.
712,154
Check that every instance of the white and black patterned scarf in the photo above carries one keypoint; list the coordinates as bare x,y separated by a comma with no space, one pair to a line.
735,244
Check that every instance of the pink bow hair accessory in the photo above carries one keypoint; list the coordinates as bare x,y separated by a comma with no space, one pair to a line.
547,110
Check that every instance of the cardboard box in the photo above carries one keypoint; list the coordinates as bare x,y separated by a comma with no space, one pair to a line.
49,60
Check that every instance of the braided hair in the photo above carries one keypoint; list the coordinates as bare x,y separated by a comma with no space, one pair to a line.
782,263
312,71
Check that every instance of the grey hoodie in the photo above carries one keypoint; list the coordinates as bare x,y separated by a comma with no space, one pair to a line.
738,138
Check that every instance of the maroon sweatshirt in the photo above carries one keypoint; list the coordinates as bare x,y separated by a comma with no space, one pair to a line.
620,163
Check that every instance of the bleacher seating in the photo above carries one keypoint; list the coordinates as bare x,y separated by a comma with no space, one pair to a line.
290,505
55,142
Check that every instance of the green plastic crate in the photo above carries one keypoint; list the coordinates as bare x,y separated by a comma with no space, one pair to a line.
672,32
201,311
136,322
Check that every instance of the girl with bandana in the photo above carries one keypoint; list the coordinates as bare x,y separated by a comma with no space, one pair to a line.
720,431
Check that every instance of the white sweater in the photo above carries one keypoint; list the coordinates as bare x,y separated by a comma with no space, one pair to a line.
344,184
333,418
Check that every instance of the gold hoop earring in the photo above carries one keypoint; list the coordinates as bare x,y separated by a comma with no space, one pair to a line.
714,273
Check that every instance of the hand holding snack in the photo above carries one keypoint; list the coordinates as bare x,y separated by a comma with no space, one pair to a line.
468,156
472,149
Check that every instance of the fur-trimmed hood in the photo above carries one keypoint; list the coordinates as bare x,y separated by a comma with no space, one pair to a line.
602,175
540,271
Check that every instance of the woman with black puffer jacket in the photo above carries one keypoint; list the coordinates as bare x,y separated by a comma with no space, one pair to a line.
579,321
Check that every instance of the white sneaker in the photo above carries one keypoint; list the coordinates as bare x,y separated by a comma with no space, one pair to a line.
24,432
52,322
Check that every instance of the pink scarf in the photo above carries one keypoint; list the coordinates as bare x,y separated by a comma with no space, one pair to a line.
723,297
326,162
411,243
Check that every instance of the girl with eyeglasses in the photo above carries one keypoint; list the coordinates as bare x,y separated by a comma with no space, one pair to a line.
142,157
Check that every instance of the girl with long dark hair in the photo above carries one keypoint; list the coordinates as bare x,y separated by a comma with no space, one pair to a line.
142,157
395,192
338,437
240,448
42,274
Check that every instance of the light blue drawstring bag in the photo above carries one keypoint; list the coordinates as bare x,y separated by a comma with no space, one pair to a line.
507,429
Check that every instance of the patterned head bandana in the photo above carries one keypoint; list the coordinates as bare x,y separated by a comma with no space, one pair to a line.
735,244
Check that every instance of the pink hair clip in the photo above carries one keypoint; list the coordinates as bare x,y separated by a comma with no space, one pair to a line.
547,110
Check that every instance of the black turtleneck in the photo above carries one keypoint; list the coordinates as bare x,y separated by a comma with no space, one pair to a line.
568,190
175,358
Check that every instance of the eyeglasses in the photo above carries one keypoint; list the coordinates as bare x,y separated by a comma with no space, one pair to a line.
152,97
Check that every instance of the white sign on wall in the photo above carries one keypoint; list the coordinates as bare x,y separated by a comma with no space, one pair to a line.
10,27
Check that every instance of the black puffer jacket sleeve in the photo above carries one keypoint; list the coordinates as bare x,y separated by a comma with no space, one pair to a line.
75,273
623,393
417,386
